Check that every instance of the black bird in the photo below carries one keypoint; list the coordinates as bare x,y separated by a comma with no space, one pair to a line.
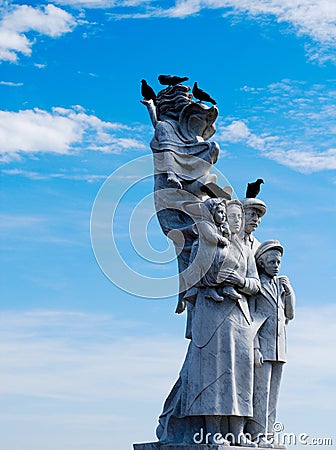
253,189
171,80
201,95
147,92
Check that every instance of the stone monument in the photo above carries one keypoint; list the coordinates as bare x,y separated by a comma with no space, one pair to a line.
237,306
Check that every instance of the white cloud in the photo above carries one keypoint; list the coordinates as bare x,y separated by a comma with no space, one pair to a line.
75,355
314,19
10,222
235,132
291,122
238,131
40,66
21,20
61,131
47,176
103,3
46,326
184,8
10,83
76,370
306,162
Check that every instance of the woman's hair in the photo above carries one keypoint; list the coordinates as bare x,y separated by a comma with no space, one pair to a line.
171,101
235,202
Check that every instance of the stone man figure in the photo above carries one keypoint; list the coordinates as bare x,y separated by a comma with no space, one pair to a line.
254,209
273,306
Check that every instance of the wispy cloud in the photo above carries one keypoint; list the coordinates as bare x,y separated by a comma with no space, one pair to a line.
75,355
309,365
10,222
40,66
38,229
291,122
61,131
10,83
306,162
237,131
19,21
314,19
104,3
61,175
87,370
81,355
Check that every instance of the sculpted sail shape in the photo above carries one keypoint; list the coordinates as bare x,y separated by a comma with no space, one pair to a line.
237,305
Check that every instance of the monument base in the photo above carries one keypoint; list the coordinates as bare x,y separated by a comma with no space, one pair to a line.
158,446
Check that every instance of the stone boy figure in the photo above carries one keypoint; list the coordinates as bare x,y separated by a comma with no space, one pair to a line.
275,305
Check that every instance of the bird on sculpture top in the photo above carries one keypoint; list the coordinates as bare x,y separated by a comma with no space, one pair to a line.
147,92
201,95
253,189
171,80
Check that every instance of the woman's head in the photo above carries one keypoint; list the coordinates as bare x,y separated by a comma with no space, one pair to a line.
235,214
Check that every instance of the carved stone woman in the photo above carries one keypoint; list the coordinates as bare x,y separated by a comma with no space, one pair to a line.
183,158
215,386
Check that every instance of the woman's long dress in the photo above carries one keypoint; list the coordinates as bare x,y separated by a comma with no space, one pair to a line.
217,375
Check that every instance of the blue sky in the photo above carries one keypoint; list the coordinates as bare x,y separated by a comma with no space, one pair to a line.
86,365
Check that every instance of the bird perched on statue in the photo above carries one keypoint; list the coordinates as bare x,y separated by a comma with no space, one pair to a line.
147,92
171,80
253,189
201,95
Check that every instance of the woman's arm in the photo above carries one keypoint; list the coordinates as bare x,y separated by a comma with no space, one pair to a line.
151,110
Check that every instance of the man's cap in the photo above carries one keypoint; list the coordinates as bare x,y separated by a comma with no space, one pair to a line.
254,203
266,246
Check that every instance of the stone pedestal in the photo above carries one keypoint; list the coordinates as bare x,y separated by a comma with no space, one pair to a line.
158,446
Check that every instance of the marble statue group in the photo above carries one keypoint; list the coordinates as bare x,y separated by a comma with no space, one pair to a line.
237,304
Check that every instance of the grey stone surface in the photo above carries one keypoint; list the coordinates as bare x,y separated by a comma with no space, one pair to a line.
229,382
254,209
216,380
275,303
183,159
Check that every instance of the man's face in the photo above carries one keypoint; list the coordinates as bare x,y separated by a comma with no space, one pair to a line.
271,263
252,219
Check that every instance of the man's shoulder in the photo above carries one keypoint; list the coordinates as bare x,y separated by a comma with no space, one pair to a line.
255,244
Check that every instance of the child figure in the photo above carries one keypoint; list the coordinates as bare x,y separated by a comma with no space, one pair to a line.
223,236
215,233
